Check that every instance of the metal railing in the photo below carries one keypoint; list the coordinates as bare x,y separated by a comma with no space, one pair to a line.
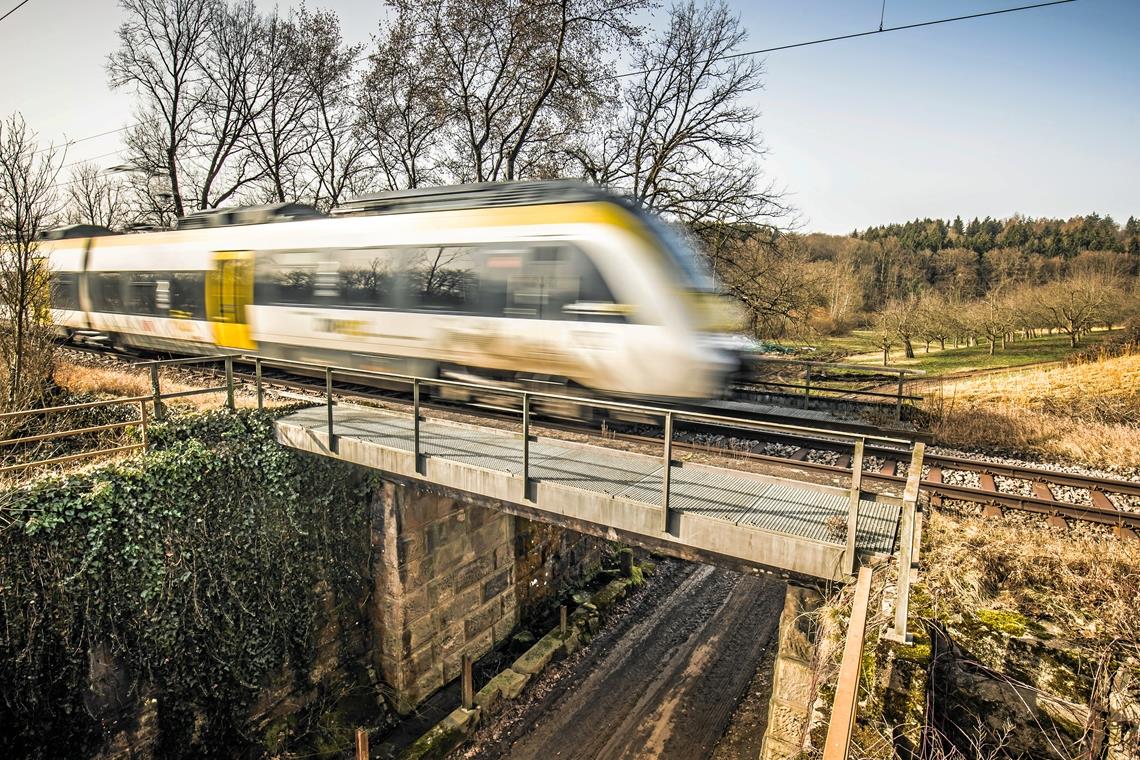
141,421
155,399
817,371
669,418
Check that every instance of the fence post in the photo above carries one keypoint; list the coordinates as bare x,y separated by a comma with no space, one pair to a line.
906,544
416,424
159,411
142,410
361,744
329,406
665,474
468,683
230,383
807,384
526,445
260,388
898,401
849,559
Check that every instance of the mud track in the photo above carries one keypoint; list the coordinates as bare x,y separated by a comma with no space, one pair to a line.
662,680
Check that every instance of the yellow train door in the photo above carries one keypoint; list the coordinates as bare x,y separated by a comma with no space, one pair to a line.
229,290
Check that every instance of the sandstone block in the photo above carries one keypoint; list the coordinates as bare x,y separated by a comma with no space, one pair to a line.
473,572
538,656
497,584
482,619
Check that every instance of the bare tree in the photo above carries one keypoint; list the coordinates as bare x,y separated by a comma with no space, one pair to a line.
335,155
685,142
992,317
160,46
280,133
28,204
402,111
520,75
1079,303
774,284
234,92
93,197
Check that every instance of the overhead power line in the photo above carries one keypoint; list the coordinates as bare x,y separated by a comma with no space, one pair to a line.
18,7
855,35
730,56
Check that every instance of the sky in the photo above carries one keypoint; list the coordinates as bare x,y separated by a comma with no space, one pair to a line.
1036,113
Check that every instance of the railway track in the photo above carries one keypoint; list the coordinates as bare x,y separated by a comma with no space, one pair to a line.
1057,496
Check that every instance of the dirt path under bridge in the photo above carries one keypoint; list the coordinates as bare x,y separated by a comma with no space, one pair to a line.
662,680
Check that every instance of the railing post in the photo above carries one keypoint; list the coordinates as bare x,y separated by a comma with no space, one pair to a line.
329,406
906,544
526,445
849,556
159,411
230,383
142,410
257,380
899,400
361,744
807,384
416,424
665,474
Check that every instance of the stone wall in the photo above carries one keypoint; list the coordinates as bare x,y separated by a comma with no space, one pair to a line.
444,586
794,682
549,558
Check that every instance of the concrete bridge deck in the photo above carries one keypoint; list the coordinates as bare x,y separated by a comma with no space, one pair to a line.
773,523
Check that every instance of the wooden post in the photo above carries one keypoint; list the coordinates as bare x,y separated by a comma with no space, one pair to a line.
562,620
159,411
849,556
468,683
665,474
329,406
526,445
838,741
906,545
416,425
230,383
361,744
260,388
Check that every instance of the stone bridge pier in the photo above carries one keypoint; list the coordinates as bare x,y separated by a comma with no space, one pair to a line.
451,577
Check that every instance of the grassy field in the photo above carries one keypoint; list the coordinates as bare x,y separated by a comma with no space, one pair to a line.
1048,348
1086,412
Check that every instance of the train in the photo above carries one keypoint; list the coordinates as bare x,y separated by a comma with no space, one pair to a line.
556,286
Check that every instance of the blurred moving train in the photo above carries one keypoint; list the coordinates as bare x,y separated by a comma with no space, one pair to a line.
548,285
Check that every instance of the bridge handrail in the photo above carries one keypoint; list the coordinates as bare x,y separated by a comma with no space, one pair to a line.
705,417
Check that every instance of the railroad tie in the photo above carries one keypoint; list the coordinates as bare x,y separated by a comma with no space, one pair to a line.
1042,491
1100,500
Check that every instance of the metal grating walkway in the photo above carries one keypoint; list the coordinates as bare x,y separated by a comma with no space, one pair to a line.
736,499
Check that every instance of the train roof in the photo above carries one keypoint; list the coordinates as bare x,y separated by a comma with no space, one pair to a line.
475,196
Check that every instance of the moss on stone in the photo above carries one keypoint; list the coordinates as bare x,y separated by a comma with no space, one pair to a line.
1004,621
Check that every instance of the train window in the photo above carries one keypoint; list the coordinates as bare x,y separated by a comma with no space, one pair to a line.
443,278
187,295
367,278
65,291
107,291
141,293
285,279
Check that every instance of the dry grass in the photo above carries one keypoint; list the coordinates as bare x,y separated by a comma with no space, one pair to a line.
114,382
1086,412
1086,585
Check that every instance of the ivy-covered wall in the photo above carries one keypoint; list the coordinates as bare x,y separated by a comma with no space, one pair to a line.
177,585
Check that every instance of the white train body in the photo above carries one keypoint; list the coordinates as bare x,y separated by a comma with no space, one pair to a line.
589,292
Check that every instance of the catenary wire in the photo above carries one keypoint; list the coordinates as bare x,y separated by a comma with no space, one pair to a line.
18,7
